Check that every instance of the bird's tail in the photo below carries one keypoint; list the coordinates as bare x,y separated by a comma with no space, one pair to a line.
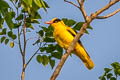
83,55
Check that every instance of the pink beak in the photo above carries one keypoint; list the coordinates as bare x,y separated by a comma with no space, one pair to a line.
48,22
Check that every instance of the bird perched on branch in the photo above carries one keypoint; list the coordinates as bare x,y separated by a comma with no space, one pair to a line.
64,35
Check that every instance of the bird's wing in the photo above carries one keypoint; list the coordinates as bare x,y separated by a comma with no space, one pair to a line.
74,33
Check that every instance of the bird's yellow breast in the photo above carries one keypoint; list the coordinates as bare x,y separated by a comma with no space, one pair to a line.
63,37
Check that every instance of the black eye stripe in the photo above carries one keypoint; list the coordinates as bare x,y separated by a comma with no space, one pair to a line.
56,20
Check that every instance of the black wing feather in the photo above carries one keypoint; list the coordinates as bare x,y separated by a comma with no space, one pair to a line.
78,40
74,35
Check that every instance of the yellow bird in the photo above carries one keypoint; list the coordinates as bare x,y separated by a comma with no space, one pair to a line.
64,36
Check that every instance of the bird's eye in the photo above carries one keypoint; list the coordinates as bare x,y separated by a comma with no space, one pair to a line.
56,20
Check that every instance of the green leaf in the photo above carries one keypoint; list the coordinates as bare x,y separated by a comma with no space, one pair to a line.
10,33
29,25
86,32
16,26
45,60
37,2
119,72
90,27
59,49
102,78
43,5
50,28
36,20
52,63
2,39
1,33
113,78
49,33
20,17
1,23
34,16
4,31
28,2
6,41
64,20
69,22
115,65
109,75
56,55
14,37
8,19
12,13
107,70
44,28
50,48
48,39
46,5
41,33
39,59
3,5
78,26
42,49
115,72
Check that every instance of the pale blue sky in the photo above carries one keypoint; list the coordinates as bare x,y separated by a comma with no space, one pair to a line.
102,44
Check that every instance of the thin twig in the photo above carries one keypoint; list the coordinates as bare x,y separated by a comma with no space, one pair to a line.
109,15
81,4
59,66
30,38
94,15
72,3
19,42
32,57
24,35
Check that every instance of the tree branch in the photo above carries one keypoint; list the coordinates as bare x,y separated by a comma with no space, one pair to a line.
32,57
19,42
80,33
24,49
109,15
81,4
72,3
24,35
94,15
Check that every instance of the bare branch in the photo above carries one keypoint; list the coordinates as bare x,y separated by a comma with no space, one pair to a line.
72,3
82,1
24,34
81,4
109,15
59,66
32,57
19,42
94,15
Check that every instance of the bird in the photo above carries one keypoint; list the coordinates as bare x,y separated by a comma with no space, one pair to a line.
64,35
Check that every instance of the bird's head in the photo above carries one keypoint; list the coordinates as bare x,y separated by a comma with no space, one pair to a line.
55,22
